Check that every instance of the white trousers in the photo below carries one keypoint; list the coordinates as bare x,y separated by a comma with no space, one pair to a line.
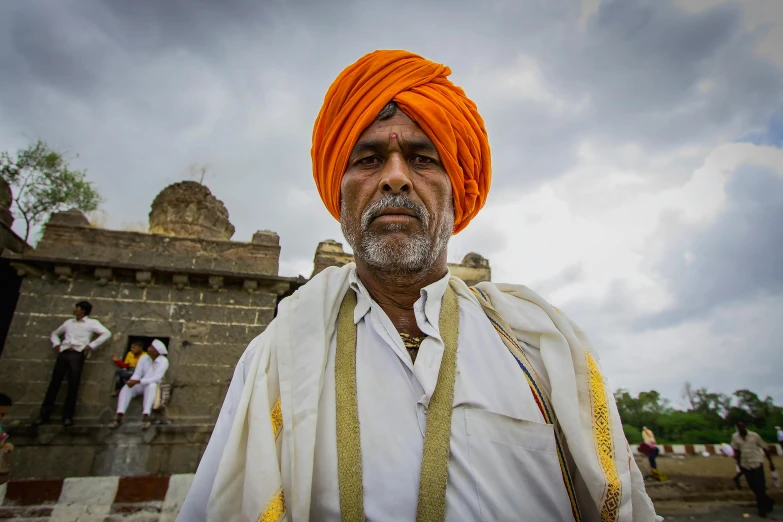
126,394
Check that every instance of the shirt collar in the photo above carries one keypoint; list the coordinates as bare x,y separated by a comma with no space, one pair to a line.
426,308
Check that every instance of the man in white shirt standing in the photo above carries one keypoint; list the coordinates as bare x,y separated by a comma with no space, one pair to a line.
73,340
145,381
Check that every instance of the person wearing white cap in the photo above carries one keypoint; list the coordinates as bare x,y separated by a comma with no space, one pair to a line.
145,381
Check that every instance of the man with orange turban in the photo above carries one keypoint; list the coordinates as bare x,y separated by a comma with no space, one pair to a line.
389,390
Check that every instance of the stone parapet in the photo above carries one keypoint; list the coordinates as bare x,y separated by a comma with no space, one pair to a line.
473,269
330,253
83,243
6,199
10,241
8,238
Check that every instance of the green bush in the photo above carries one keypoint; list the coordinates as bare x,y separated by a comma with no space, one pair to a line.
711,419
706,436
633,434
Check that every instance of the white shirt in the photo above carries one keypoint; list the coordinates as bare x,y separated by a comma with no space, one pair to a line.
148,371
503,463
78,334
780,436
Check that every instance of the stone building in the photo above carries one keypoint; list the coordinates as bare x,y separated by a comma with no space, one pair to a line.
473,268
186,283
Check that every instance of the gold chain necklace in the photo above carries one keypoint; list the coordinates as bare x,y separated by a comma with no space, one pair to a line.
412,344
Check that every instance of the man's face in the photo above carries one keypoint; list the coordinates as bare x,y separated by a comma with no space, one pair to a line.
742,429
136,349
152,352
78,312
396,198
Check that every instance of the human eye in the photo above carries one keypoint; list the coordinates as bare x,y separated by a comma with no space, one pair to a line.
369,161
418,159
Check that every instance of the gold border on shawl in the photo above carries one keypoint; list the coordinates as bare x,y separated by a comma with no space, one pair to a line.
602,438
275,508
604,443
276,416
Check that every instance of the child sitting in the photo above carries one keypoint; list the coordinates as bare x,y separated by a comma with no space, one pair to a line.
127,367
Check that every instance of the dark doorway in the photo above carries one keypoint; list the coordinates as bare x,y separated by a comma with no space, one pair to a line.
10,283
145,342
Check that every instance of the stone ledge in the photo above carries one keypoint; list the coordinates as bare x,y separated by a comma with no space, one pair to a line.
115,246
90,429
36,262
53,452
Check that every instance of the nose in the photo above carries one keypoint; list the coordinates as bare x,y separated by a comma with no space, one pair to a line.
395,177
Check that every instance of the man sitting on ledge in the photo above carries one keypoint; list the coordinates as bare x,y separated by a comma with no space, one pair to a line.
144,381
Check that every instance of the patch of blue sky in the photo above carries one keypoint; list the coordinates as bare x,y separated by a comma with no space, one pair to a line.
771,135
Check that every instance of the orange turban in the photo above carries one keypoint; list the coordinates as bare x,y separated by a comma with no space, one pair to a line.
421,89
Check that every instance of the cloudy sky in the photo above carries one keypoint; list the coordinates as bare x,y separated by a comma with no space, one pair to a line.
637,145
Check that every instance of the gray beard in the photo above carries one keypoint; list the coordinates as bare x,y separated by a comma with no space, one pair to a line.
415,253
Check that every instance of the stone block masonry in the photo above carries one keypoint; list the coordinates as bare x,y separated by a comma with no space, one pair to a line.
207,330
85,243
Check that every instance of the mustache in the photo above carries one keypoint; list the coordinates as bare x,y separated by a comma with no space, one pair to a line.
394,201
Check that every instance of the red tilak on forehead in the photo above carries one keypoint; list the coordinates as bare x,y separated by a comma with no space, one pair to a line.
393,135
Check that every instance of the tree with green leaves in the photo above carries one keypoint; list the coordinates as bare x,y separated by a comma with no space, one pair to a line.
714,406
710,419
43,183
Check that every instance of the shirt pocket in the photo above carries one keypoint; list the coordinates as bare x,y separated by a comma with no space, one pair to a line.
516,466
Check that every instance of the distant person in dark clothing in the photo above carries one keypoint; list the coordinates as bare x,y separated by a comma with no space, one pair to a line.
73,340
126,367
750,450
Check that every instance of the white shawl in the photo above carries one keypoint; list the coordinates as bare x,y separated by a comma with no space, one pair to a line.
266,471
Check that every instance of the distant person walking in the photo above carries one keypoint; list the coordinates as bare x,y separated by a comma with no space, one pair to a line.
750,450
73,340
648,437
779,433
649,448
